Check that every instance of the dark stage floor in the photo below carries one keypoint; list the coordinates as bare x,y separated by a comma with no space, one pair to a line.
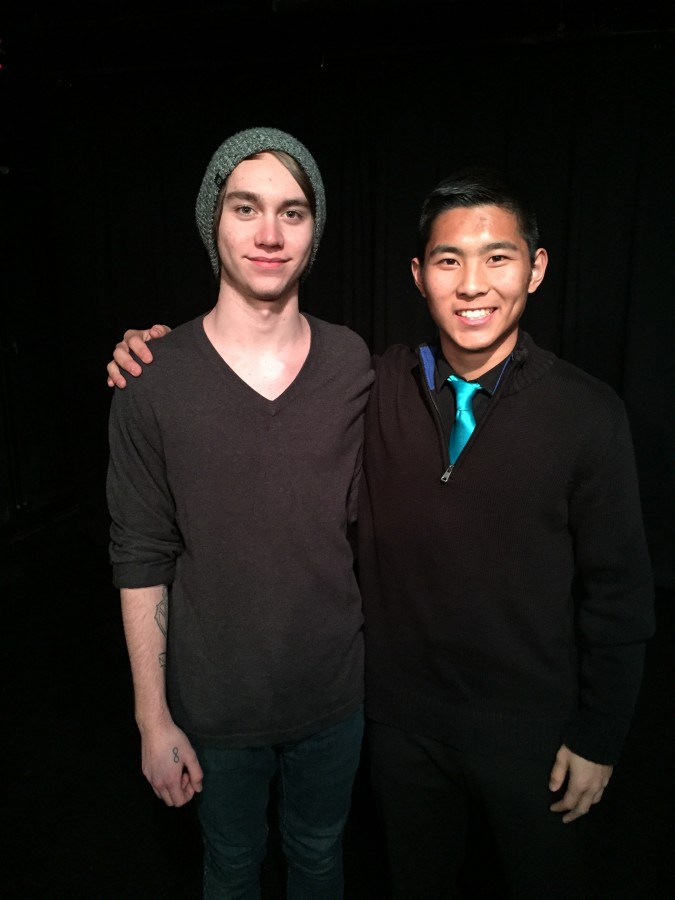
82,823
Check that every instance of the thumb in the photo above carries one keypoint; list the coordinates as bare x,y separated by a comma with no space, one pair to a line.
195,772
558,774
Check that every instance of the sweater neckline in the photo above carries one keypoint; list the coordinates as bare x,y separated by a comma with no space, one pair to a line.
235,382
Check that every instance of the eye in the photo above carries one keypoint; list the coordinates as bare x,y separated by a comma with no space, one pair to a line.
244,210
294,214
498,257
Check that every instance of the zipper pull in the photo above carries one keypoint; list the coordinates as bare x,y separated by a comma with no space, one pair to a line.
448,472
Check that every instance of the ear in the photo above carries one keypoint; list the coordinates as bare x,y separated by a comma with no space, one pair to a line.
417,272
538,270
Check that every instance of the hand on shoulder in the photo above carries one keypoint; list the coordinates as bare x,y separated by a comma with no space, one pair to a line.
134,341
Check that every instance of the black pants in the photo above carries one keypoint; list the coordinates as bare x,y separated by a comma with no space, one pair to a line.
470,825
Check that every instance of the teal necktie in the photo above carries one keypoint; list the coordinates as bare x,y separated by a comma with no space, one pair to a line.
464,420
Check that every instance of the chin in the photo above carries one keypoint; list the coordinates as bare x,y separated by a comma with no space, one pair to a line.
270,296
479,345
272,293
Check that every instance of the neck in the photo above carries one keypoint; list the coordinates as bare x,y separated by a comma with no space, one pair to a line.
265,344
254,324
470,365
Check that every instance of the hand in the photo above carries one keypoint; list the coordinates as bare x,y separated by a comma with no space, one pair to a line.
170,764
136,341
586,782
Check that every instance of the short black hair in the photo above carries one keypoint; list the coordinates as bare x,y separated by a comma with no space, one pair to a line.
475,186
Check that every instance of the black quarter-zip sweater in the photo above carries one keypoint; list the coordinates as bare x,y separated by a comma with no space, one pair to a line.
506,607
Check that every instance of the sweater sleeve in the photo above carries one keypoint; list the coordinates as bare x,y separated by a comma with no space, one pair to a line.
144,538
615,597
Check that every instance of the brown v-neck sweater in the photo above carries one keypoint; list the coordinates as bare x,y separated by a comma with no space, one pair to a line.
240,504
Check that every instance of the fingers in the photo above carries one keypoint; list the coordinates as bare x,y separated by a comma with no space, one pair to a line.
123,360
137,340
157,331
194,773
134,341
576,805
173,770
115,377
175,791
182,792
586,782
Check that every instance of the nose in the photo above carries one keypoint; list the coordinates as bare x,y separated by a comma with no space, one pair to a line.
473,282
269,233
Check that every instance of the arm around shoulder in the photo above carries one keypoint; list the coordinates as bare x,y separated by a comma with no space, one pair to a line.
134,341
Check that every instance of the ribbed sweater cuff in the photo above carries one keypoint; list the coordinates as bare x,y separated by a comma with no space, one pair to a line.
596,737
133,575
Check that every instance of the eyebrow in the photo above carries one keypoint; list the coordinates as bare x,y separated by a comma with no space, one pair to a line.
251,197
486,248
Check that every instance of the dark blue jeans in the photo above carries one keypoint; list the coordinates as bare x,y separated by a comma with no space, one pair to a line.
316,776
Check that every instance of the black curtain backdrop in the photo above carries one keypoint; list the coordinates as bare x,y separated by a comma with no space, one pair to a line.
102,162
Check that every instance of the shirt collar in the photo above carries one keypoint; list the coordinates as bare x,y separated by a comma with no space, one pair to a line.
489,381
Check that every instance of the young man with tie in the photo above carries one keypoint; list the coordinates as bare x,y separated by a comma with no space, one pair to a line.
503,566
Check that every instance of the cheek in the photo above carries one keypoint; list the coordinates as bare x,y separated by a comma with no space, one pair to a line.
228,239
514,287
303,238
440,309
437,288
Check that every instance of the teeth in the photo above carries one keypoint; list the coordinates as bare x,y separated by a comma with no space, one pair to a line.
474,313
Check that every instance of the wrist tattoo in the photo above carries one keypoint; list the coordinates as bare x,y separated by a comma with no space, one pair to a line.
162,660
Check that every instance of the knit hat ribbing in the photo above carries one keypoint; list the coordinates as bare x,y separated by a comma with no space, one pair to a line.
228,156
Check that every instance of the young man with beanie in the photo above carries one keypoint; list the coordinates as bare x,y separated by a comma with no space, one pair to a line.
506,583
232,479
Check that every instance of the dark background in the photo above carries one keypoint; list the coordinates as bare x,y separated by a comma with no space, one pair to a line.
109,113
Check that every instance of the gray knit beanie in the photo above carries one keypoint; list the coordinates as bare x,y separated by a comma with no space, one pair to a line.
228,156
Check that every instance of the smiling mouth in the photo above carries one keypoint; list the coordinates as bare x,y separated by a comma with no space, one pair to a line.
476,313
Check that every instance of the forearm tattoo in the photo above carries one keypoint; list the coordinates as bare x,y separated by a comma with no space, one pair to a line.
162,617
